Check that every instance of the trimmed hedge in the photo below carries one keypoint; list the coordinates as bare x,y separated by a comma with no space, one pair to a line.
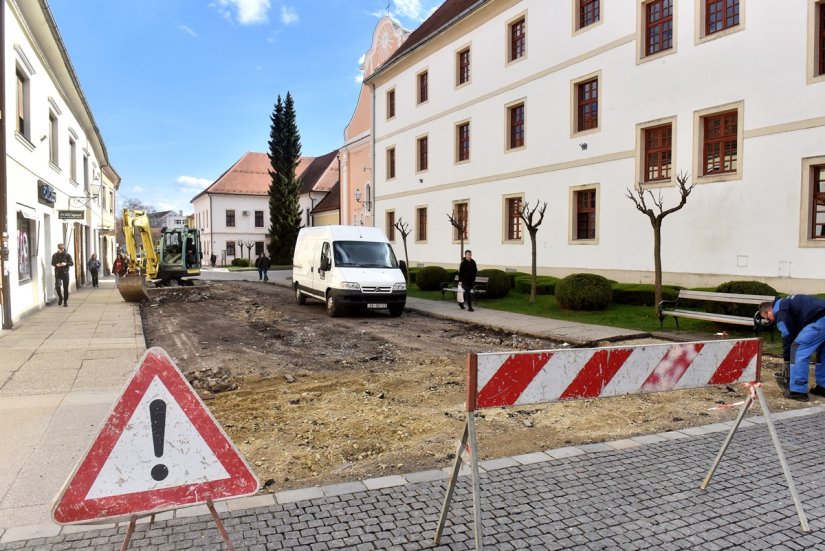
584,292
498,284
641,294
412,273
242,262
545,285
740,288
430,278
515,275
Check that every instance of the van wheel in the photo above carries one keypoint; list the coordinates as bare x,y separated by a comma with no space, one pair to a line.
396,310
333,310
299,296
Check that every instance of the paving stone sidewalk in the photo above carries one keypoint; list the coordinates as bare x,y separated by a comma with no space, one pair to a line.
632,494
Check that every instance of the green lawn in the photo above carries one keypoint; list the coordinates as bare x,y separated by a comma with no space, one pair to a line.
640,318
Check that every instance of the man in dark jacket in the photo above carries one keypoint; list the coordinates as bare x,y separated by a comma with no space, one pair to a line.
62,261
467,278
801,321
262,263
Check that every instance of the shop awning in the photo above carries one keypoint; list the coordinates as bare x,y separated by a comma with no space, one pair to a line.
27,212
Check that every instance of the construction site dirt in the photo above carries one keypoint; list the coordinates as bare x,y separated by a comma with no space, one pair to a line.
313,400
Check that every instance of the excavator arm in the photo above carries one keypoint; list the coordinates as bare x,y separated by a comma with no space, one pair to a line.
136,224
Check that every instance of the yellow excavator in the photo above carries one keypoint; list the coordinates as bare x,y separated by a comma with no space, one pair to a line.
178,256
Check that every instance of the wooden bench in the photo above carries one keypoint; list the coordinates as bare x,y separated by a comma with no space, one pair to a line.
479,288
671,308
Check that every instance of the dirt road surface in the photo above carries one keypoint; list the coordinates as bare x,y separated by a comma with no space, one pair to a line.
312,400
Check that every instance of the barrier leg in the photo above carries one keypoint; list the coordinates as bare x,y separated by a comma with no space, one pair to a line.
785,469
129,532
727,441
451,485
219,524
471,425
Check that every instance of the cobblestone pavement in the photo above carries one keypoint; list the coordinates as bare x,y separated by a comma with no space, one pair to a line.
644,496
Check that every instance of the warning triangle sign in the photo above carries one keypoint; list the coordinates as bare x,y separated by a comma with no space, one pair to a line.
159,448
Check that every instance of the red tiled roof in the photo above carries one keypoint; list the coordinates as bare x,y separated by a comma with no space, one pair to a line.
446,15
321,173
250,176
332,201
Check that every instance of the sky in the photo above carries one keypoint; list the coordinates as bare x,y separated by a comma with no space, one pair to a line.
181,89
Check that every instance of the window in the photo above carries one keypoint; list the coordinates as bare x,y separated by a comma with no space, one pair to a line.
53,138
391,225
259,248
73,160
391,104
721,15
513,208
390,163
85,172
421,225
461,215
463,63
518,39
658,26
515,116
820,38
23,105
421,149
588,12
24,249
587,99
818,202
259,219
462,136
230,218
585,214
719,147
657,143
423,84
230,248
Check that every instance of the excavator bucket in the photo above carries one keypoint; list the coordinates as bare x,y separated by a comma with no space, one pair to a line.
132,288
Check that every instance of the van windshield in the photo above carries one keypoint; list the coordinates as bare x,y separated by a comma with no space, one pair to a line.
363,254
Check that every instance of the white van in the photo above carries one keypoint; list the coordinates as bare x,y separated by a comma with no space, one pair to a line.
348,266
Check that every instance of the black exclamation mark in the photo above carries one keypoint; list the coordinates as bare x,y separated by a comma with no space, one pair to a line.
157,412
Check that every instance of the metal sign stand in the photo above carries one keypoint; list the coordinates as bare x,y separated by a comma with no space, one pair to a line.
756,389
212,511
469,433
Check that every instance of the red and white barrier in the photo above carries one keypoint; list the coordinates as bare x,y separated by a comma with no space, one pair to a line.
517,379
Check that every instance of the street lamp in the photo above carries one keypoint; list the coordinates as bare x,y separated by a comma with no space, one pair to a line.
366,202
92,193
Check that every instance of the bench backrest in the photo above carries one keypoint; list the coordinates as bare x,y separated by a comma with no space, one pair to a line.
724,297
481,279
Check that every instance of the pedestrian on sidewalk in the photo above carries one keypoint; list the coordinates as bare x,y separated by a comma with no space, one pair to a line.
120,266
801,321
262,263
94,268
62,261
467,271
213,259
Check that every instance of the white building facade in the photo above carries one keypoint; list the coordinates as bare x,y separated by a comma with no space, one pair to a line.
59,186
575,102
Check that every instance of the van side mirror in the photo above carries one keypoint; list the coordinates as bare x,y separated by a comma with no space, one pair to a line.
325,263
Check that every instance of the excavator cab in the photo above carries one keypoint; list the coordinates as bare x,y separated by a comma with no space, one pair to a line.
180,255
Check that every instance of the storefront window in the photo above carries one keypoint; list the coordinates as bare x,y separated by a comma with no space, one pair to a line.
24,261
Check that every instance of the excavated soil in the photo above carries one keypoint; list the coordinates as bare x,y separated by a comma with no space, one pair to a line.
313,400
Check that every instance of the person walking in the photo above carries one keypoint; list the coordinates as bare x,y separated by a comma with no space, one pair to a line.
801,322
467,271
120,266
94,268
213,259
263,263
62,261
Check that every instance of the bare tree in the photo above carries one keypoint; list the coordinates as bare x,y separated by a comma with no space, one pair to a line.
460,227
528,215
404,229
656,216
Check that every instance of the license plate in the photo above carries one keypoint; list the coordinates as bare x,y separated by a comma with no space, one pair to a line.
376,305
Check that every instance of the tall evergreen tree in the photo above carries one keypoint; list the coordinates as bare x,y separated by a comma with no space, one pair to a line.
284,156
